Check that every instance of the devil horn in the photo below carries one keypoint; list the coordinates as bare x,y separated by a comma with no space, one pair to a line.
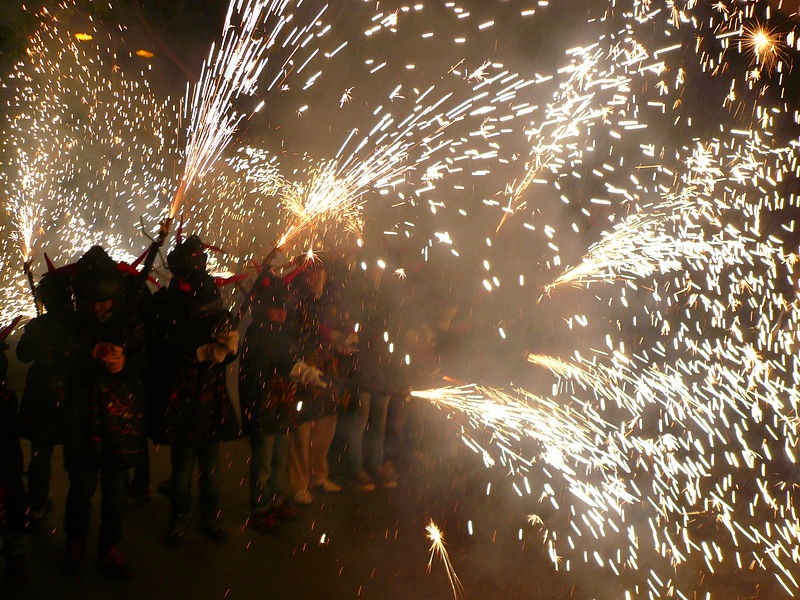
9,328
179,233
50,266
139,260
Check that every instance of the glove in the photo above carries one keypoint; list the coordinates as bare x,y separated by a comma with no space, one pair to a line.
344,344
307,375
230,341
112,357
351,343
213,353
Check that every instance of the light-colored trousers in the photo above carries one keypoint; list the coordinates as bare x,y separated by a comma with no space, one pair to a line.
308,453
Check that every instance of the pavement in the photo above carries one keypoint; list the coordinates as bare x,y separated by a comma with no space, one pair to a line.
353,544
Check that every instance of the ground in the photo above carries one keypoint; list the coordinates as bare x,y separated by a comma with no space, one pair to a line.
374,544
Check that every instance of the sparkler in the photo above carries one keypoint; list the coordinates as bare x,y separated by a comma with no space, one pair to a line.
438,548
764,44
229,72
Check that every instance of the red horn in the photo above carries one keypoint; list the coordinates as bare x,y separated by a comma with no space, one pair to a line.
179,233
223,281
214,248
9,328
50,266
139,260
293,275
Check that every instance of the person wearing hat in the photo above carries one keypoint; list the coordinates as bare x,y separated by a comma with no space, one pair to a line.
196,333
13,506
48,342
111,434
268,403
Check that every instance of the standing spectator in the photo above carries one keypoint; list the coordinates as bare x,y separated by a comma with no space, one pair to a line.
196,330
268,403
49,343
376,371
311,439
110,438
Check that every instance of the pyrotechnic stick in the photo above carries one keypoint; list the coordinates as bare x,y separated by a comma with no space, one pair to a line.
26,267
253,288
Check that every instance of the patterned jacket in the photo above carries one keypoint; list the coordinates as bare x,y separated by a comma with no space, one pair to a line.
109,407
198,406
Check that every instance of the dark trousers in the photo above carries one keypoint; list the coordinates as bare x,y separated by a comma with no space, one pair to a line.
82,485
39,471
268,457
141,473
184,459
12,505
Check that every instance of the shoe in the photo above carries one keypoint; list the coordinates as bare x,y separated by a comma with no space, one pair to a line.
112,562
364,482
214,529
165,487
285,511
303,497
328,486
75,556
264,522
387,477
177,531
16,565
138,492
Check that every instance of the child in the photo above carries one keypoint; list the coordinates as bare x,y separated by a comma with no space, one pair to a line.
268,404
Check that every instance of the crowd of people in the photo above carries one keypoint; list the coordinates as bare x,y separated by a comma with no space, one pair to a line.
115,368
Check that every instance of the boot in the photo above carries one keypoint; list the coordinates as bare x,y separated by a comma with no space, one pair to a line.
264,522
75,556
213,529
112,562
177,530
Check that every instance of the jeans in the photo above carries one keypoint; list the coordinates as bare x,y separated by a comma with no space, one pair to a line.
39,475
365,431
184,458
395,428
82,485
267,470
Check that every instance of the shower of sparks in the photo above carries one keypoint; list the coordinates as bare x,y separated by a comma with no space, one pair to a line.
438,548
764,44
231,71
654,161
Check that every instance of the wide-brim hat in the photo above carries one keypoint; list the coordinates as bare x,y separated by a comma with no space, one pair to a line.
96,276
187,257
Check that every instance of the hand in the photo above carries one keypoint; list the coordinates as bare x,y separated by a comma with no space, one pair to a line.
111,356
230,341
213,353
307,375
351,343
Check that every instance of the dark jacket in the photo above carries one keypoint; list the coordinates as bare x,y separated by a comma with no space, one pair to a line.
110,407
267,395
13,507
50,342
379,359
198,407
10,449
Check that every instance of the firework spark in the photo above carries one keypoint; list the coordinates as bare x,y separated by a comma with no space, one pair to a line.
436,537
